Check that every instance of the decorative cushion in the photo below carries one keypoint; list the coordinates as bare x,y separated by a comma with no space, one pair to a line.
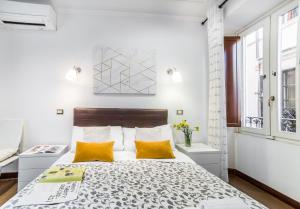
94,151
157,133
154,149
115,134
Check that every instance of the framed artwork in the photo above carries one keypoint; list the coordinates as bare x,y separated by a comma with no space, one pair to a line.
124,71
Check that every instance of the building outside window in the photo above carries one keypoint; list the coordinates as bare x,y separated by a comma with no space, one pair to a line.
253,79
287,68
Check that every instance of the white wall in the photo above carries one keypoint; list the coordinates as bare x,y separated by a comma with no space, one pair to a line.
275,163
5,70
35,85
231,147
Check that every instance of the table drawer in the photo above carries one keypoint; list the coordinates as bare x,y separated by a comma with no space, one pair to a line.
36,163
29,174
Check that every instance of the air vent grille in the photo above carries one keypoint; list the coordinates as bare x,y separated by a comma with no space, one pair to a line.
24,23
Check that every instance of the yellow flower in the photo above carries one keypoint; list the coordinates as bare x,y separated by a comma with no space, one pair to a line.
184,125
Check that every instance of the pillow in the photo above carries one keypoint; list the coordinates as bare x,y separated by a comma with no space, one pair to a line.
154,149
167,133
130,136
115,135
94,151
148,134
96,134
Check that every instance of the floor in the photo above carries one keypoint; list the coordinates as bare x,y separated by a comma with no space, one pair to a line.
261,196
9,187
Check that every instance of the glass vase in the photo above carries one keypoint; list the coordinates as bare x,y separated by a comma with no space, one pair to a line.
188,140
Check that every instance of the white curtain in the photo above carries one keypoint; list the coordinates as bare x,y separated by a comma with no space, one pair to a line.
217,130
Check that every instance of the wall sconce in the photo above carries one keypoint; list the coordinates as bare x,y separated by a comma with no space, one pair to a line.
176,76
72,75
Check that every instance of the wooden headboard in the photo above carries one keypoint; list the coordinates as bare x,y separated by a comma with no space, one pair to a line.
120,117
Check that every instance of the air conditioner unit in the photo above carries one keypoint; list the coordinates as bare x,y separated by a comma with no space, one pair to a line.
22,15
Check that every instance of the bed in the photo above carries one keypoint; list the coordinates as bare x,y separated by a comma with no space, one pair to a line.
132,183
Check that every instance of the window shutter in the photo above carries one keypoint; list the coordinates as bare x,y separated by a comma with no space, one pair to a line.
232,93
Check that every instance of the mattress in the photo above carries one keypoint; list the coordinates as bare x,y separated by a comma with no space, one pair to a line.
133,184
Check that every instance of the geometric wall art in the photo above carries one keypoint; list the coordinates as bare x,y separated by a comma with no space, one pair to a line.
124,71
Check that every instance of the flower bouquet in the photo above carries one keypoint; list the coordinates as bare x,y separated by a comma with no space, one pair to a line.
187,130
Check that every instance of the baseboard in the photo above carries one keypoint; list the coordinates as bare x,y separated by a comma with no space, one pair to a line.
231,171
279,195
9,175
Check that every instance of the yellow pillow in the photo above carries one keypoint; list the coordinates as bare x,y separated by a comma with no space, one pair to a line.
154,149
94,151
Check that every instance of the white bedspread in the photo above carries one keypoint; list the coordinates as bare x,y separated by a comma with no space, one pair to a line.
125,156
142,184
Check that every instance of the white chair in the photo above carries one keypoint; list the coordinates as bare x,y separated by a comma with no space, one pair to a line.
11,132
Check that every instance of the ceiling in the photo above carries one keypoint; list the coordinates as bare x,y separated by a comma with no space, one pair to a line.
196,8
238,13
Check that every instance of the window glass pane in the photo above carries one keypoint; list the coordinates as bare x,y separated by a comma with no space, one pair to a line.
253,79
287,43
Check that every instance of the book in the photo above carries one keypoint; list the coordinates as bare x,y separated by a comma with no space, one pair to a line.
57,174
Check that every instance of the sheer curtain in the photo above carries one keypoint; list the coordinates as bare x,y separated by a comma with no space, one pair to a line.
217,130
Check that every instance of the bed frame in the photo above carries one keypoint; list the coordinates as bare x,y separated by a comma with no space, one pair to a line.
120,117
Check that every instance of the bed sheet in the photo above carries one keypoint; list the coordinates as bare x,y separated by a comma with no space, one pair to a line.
68,157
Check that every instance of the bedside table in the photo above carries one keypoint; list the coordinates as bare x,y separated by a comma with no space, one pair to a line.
204,155
36,160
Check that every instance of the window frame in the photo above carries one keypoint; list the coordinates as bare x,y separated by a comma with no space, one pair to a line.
274,87
265,24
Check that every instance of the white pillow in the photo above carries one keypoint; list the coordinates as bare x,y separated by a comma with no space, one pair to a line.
96,134
129,138
115,134
167,133
148,134
131,134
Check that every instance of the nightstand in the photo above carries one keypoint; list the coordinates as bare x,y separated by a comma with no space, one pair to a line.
204,155
36,160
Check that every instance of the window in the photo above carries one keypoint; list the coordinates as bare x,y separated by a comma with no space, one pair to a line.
271,96
284,79
254,75
288,105
287,45
255,70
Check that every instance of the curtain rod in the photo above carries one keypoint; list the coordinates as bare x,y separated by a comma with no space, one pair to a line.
220,7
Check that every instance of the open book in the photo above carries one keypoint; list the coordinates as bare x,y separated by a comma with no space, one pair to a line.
59,174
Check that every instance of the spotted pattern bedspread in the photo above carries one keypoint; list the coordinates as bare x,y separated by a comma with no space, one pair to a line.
145,184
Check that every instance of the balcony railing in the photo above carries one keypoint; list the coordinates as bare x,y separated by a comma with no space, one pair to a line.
288,120
254,122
